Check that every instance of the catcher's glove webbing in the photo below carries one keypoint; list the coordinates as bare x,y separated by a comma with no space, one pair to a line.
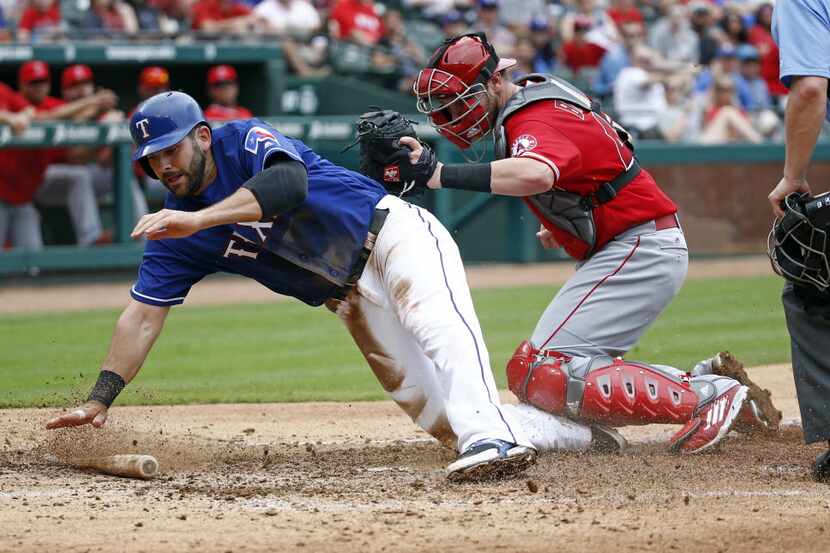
385,160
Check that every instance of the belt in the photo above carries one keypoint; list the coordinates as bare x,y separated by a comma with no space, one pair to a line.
667,221
378,218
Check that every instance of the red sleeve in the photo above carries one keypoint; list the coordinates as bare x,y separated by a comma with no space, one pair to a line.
245,113
27,20
538,140
240,10
199,14
11,100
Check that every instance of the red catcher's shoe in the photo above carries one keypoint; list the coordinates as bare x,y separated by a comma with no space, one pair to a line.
714,420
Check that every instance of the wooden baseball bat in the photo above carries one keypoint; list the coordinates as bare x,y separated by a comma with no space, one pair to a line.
128,465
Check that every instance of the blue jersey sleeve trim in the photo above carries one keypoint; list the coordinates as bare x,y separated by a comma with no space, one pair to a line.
143,298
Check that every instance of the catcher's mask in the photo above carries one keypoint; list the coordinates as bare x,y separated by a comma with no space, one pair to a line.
452,87
797,243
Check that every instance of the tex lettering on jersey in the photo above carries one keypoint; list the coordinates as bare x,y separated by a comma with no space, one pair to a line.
247,246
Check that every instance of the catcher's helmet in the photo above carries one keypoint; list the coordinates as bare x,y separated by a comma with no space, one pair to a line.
163,121
456,75
797,244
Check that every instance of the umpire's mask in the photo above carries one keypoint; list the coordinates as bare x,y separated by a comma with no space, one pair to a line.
797,244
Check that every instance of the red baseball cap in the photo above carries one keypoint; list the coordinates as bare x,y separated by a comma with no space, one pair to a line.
75,74
221,74
31,71
154,76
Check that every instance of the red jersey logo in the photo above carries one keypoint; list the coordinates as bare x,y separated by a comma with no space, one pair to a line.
392,173
523,144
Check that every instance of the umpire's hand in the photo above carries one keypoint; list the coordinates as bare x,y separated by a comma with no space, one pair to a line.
91,412
784,188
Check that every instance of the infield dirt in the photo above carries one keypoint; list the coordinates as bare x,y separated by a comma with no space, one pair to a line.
362,477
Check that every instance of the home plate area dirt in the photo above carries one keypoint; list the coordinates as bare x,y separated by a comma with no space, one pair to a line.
362,477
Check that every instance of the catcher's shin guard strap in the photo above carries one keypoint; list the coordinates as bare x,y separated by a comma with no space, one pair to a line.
467,176
107,388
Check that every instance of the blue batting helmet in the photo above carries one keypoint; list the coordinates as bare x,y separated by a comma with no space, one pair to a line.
162,121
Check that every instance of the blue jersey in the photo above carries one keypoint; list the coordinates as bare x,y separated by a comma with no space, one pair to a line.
306,253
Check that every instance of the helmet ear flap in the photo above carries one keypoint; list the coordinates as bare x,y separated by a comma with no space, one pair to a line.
147,169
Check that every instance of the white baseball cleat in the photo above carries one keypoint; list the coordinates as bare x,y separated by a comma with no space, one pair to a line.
714,418
490,459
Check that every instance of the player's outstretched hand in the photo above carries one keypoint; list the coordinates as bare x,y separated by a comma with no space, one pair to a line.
91,412
416,149
167,223
784,188
546,238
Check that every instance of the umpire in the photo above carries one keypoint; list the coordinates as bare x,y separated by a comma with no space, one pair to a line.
801,28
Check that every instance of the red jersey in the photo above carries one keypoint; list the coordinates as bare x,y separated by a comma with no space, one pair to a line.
583,151
623,16
212,10
11,100
354,15
32,18
215,112
763,41
23,169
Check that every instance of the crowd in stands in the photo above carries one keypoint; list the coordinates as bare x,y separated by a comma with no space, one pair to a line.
662,67
701,71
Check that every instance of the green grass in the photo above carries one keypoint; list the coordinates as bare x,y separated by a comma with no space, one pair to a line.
289,352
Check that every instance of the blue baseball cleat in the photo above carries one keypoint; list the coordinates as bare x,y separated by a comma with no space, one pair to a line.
490,460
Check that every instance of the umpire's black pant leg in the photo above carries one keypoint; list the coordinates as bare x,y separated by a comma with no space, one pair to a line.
810,344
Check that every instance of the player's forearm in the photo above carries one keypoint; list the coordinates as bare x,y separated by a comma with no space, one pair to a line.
239,207
507,177
135,333
806,109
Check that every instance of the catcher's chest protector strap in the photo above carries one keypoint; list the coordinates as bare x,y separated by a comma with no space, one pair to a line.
570,212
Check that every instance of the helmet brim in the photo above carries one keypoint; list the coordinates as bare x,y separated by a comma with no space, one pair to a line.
505,63
160,143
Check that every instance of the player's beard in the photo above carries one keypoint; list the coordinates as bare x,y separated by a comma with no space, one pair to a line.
195,173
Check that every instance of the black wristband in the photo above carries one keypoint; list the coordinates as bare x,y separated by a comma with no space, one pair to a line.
467,176
107,388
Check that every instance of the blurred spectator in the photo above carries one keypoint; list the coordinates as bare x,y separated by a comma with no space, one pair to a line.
524,54
752,89
223,16
78,83
13,111
675,121
517,14
724,64
723,120
288,17
106,16
673,38
40,20
5,35
546,46
148,17
453,24
760,36
174,15
639,96
603,29
578,52
357,21
151,81
437,8
487,21
702,25
400,51
63,183
616,59
624,11
734,29
223,89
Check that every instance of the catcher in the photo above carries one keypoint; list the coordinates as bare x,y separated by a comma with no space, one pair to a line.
575,169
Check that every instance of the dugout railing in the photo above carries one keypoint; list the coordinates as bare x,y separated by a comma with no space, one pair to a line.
731,184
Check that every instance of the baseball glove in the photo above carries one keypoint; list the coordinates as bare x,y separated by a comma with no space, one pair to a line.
384,159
